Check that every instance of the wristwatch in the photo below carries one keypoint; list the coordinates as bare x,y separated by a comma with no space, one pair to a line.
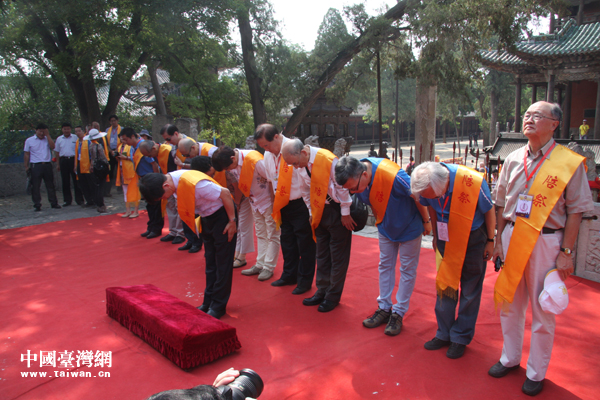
566,251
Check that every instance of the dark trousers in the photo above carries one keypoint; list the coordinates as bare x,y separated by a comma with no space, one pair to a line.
85,185
219,254
43,171
98,189
461,329
156,222
191,236
67,174
297,244
113,163
333,253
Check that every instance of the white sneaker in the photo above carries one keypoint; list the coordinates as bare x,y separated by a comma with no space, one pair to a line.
265,274
252,271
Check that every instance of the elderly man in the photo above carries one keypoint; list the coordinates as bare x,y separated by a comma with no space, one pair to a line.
330,220
290,212
82,167
400,221
461,208
65,152
255,207
540,197
197,193
38,163
166,163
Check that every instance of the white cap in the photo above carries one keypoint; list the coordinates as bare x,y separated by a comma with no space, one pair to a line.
554,298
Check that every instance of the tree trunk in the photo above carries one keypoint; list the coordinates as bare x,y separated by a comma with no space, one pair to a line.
425,115
160,101
493,119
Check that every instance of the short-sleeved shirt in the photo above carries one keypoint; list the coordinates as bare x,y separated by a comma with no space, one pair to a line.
576,198
261,196
145,165
402,220
208,194
39,149
65,146
484,203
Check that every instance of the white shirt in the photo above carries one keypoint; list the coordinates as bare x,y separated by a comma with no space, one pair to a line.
335,191
299,188
261,196
208,194
39,150
65,147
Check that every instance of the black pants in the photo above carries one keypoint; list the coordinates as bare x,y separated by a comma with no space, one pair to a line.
191,236
67,174
113,163
333,253
156,222
219,254
43,171
98,184
297,244
85,185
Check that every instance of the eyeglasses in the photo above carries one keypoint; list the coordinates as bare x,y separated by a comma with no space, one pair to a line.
358,184
536,117
168,139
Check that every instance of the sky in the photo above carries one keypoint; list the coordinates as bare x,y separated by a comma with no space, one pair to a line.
299,21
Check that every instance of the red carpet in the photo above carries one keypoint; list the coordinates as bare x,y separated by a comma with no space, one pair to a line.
52,298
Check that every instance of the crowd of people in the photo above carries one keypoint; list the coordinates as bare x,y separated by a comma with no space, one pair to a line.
299,199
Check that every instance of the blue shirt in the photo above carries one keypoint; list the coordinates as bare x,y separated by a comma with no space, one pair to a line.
402,221
484,204
145,165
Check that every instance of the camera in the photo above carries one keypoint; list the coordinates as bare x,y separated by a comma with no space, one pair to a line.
248,384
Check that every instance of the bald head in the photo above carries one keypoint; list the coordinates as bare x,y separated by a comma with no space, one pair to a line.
149,148
188,148
295,153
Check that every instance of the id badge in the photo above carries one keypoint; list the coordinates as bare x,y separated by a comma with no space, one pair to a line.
524,205
442,231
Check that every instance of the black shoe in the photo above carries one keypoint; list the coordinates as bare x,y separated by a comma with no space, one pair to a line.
167,238
281,282
186,246
89,205
214,313
436,344
203,308
300,290
66,204
313,301
145,234
56,206
456,350
37,208
498,370
531,388
195,249
327,305
153,235
178,240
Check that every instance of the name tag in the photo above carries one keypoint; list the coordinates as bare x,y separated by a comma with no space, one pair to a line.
524,205
442,231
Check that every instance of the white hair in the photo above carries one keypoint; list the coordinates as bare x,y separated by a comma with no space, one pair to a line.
429,175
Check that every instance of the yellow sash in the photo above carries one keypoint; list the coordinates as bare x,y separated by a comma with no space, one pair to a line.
133,192
220,176
547,187
383,181
163,157
82,148
284,188
465,195
247,174
109,132
125,174
319,184
205,148
186,198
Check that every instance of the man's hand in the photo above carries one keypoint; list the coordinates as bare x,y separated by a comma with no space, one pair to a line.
230,229
178,162
564,265
498,250
488,251
226,377
426,228
348,222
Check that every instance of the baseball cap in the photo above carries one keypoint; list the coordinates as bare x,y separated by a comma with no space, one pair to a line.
554,298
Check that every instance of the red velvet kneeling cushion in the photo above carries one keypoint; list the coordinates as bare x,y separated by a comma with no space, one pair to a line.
181,332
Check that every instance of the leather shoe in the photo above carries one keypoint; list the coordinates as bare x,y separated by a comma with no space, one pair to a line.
153,235
203,308
66,204
145,234
195,249
456,350
300,290
56,206
313,301
167,238
282,282
178,240
531,388
498,370
186,246
436,344
216,314
37,208
327,305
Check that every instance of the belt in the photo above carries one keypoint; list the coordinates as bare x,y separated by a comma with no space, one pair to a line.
45,162
67,156
545,231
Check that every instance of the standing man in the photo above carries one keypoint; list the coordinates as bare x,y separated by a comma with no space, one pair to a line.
330,220
540,197
65,152
82,167
198,193
113,139
400,221
290,212
38,163
461,208
583,130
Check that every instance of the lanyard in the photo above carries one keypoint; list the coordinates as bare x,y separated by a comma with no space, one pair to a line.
528,177
443,208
